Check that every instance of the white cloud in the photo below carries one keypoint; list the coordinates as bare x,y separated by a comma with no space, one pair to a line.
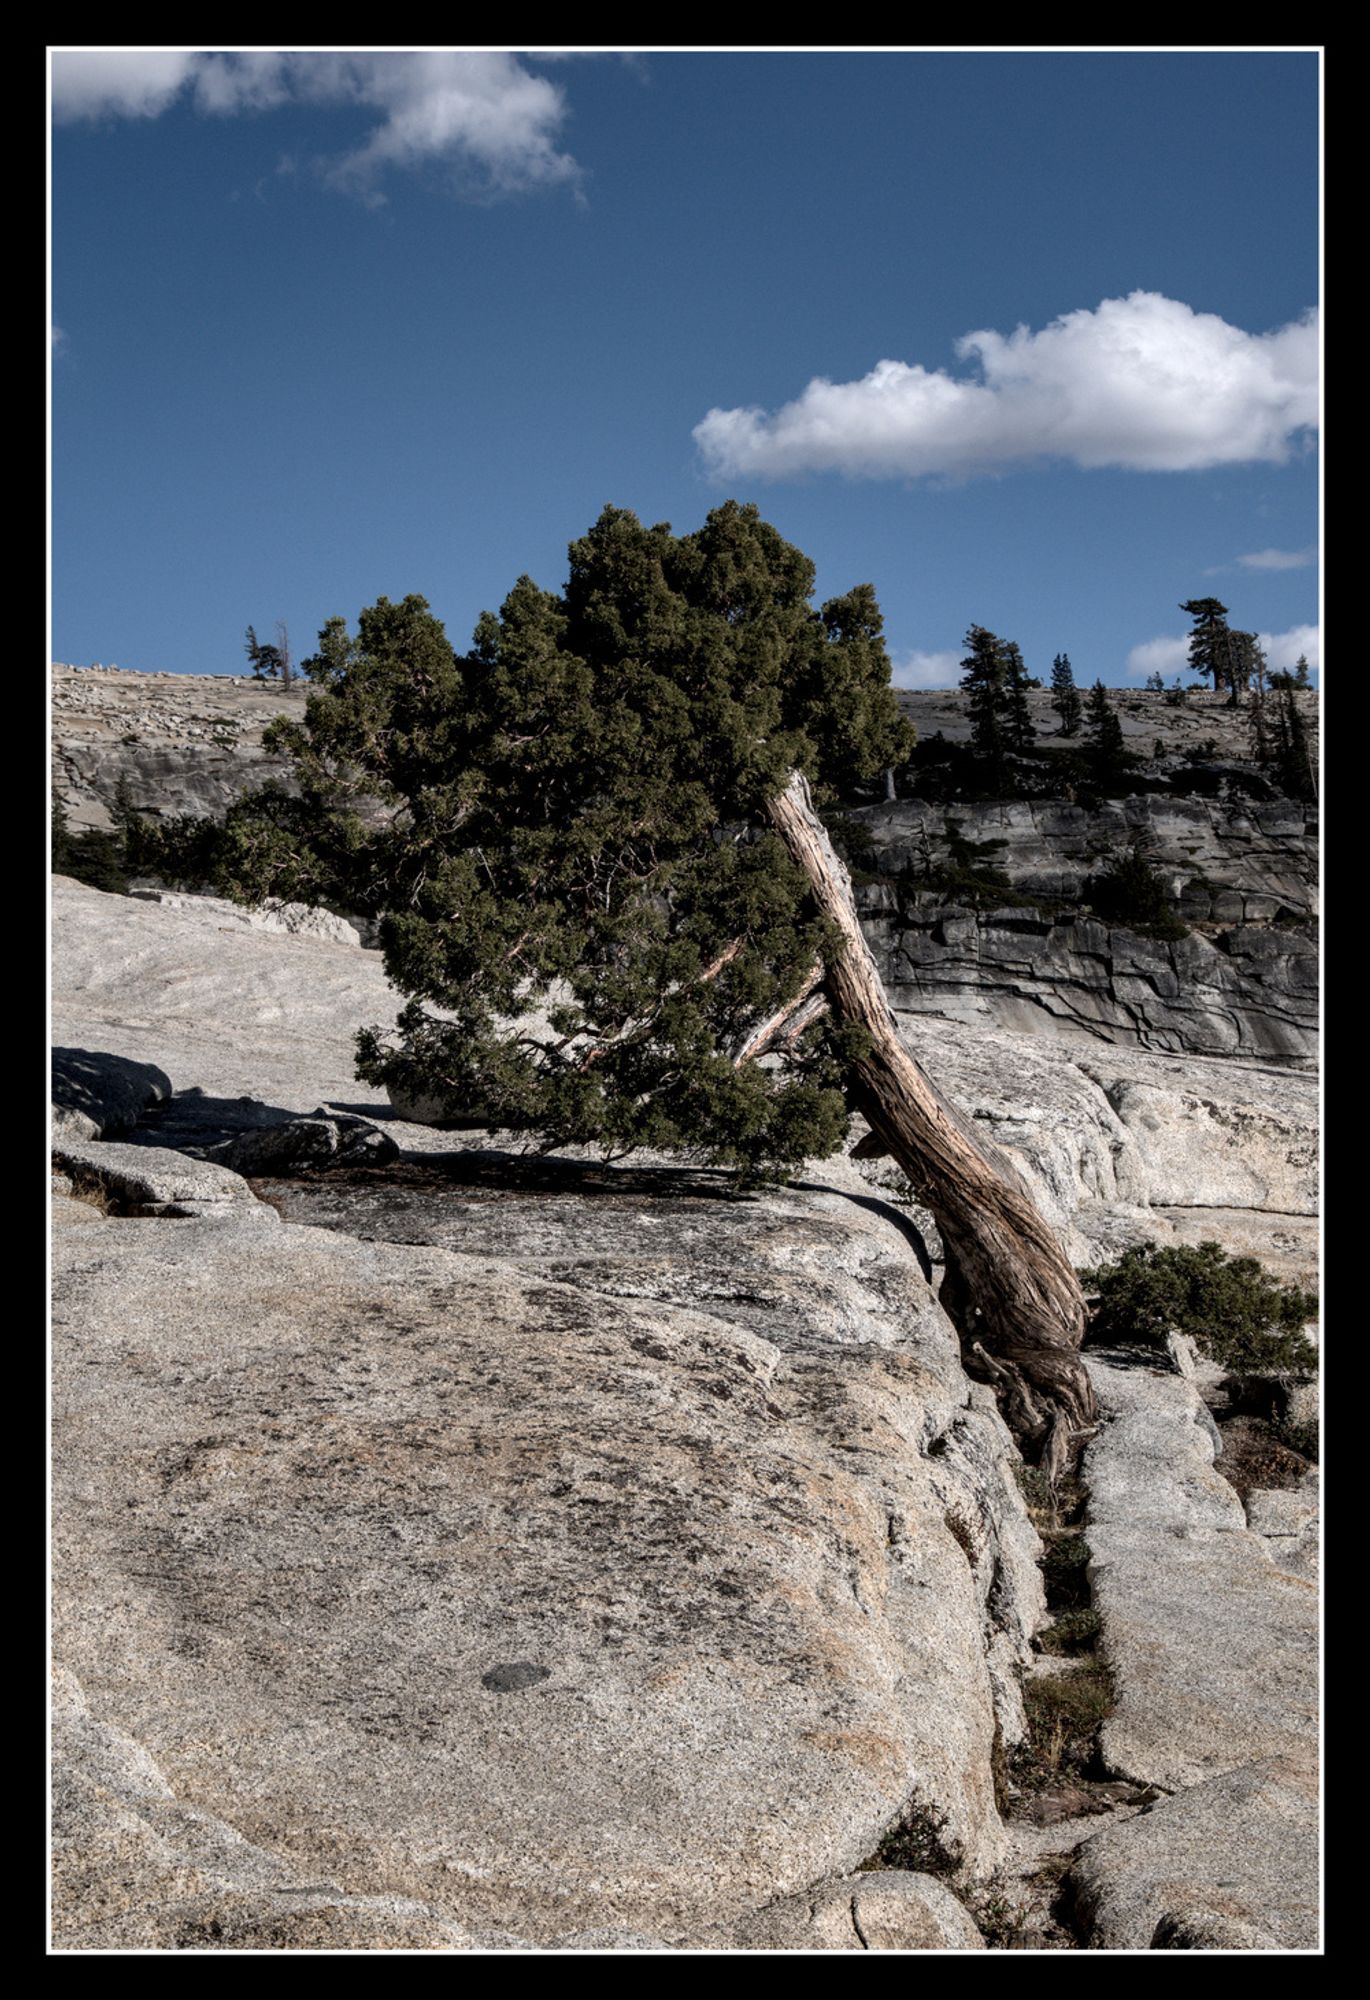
1282,649
1142,382
58,339
117,83
1278,559
482,116
928,670
1169,657
1166,657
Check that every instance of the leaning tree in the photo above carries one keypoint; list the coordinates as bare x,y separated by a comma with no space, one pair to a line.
597,847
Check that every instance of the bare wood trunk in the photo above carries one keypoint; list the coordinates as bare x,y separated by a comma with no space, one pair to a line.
1010,1289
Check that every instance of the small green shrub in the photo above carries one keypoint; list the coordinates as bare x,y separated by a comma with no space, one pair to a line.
1073,1632
1127,890
1063,1571
1230,1306
917,1844
1301,1435
95,857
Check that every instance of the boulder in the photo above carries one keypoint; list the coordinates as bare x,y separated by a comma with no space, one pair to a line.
1214,1650
320,1503
96,1095
878,1910
150,1180
1229,1865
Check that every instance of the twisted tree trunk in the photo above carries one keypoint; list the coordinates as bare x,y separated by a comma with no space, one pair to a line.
1009,1288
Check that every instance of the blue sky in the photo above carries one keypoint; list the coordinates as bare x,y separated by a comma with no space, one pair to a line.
1027,340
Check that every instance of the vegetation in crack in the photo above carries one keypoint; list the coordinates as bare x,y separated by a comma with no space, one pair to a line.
1234,1311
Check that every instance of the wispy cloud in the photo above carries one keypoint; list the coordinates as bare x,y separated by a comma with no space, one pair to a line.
117,83
59,340
483,117
1278,559
928,670
1143,382
1170,656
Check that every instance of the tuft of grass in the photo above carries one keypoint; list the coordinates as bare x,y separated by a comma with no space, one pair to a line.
999,1920
1064,1714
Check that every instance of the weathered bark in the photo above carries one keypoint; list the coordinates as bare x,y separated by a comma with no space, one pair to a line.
1010,1288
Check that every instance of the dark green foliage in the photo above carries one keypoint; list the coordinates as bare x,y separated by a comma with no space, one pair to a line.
94,857
1293,763
984,677
1238,1315
970,873
266,661
1019,733
1154,683
270,663
1072,1633
1064,1568
1065,696
1127,890
1301,674
1176,695
564,832
1210,641
1107,762
918,1843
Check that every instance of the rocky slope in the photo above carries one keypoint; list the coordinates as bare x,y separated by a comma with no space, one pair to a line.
178,743
1243,873
498,1554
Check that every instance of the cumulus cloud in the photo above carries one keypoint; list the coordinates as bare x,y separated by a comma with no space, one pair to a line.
1282,649
928,670
1169,657
1278,559
1143,382
482,115
1166,657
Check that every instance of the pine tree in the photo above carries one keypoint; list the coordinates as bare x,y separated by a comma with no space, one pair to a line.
1260,734
1301,674
607,891
1019,732
266,660
1065,696
1209,642
1107,758
1293,760
984,678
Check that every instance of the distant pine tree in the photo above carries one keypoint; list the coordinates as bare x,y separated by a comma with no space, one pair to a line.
985,680
1301,679
1107,758
1209,641
1293,760
1018,727
1065,696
